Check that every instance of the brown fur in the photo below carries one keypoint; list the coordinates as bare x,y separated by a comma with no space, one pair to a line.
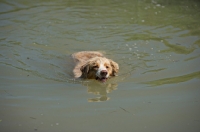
87,64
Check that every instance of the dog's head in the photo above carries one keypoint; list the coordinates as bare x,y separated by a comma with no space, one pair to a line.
99,68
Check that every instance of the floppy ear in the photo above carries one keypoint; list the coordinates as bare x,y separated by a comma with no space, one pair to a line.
85,69
115,67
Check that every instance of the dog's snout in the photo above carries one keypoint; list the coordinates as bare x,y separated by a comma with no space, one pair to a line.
104,73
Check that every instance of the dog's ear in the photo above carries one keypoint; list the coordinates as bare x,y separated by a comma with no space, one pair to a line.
85,69
115,68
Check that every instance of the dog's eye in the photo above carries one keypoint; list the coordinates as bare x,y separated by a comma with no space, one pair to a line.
95,67
107,67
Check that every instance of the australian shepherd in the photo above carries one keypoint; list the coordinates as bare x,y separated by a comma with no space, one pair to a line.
94,65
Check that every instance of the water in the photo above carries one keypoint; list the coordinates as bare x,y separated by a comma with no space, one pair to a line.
155,42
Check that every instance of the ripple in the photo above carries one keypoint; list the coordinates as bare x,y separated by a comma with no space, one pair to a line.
174,80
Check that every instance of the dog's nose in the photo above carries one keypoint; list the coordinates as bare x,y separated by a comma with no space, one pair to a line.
104,73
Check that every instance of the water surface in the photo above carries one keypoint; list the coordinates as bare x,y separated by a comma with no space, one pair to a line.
155,42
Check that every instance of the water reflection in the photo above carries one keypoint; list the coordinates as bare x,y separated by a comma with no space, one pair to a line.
100,89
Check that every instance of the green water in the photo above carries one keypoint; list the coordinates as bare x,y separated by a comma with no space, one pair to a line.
155,42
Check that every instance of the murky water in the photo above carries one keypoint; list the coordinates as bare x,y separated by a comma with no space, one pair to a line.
155,42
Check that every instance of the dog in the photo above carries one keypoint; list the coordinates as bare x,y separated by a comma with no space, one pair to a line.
94,65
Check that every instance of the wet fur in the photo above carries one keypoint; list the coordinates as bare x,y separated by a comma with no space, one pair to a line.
87,64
